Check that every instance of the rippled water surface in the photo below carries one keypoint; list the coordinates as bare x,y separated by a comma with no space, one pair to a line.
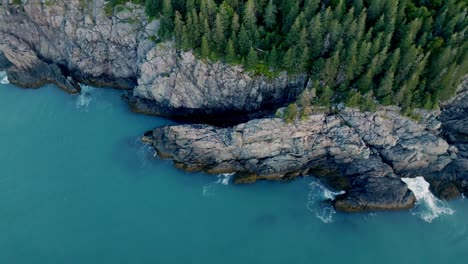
77,186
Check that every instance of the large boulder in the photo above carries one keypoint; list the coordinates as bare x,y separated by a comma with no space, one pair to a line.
375,193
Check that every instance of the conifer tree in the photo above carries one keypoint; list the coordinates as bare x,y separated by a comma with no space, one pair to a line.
288,60
230,52
219,37
273,58
270,15
205,48
252,59
243,41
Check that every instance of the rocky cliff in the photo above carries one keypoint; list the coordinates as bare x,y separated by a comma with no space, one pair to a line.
364,154
66,42
70,41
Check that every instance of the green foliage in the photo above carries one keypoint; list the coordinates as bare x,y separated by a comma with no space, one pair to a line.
412,53
290,113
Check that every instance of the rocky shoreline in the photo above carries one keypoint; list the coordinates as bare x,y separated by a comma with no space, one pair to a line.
365,154
66,43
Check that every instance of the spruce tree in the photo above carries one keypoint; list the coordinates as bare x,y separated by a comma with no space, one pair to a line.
243,41
205,47
273,58
230,52
270,15
252,59
289,59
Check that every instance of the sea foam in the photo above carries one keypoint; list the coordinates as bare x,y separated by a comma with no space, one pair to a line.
428,207
316,201
222,179
4,78
84,98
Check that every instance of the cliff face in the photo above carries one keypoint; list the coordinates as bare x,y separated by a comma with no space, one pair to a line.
173,82
78,37
72,41
365,154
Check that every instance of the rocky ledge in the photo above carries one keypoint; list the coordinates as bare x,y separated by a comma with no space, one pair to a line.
73,41
364,154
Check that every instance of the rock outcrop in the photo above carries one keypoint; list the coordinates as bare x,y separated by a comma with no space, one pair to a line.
369,151
453,179
71,41
78,37
173,82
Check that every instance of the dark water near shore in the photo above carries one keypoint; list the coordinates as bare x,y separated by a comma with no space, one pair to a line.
77,186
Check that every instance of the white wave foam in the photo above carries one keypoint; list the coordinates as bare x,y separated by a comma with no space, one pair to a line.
222,179
4,78
84,98
428,207
317,196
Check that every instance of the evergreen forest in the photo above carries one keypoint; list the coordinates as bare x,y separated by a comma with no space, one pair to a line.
410,53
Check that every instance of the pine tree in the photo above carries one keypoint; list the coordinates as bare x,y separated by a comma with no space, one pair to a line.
235,26
230,52
252,59
186,40
288,60
178,30
385,89
325,97
273,58
153,7
167,25
249,17
310,6
219,37
193,25
205,48
270,15
330,70
243,41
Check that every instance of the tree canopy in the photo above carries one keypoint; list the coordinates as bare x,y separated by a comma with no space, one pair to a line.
411,53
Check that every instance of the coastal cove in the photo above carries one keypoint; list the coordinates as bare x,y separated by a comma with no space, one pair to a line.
78,186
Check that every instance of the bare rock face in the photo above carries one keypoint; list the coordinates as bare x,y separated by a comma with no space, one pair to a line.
178,82
73,41
78,37
376,193
453,179
370,152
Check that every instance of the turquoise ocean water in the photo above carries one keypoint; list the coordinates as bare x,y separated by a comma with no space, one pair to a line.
77,186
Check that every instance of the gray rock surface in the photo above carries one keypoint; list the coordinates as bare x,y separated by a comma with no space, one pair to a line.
453,179
77,41
370,152
375,193
70,41
178,82
77,36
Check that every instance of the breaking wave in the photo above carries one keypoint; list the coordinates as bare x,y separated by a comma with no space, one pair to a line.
222,179
84,98
4,78
428,207
318,201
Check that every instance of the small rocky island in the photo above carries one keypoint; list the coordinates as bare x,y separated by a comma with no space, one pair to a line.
364,153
